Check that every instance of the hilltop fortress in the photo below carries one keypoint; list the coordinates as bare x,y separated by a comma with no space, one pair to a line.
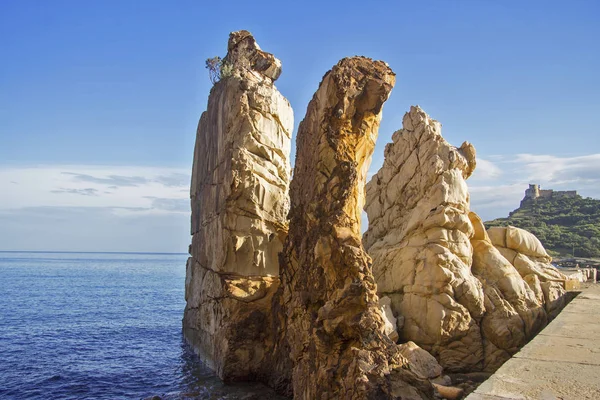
534,192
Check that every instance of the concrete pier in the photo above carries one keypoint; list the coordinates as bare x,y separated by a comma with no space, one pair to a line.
561,362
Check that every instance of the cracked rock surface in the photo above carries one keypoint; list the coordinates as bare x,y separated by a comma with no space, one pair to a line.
333,323
514,312
239,199
279,287
525,252
419,237
469,298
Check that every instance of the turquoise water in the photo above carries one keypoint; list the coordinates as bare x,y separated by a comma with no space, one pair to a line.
100,326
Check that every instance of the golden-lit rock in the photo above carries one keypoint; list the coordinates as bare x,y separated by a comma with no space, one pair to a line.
239,198
334,326
470,297
514,311
419,237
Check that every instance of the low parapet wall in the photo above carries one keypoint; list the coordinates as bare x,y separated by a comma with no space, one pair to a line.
581,274
561,362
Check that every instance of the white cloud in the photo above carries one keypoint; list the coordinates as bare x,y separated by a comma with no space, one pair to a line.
131,208
560,170
486,170
83,192
491,202
501,191
94,208
90,186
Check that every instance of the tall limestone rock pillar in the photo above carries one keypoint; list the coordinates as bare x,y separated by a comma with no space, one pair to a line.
333,325
239,198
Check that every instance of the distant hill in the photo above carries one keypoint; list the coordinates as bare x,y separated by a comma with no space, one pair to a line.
566,223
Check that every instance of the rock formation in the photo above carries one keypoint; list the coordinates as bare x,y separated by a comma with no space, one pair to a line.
279,288
525,252
454,293
419,238
239,198
514,311
334,326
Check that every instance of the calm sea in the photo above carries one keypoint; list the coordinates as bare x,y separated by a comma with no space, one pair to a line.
100,326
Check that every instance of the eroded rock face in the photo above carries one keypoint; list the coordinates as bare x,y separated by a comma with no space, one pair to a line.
527,254
419,237
514,311
300,311
239,198
459,296
523,250
334,326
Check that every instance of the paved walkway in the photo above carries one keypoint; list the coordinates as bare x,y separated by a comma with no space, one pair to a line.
561,362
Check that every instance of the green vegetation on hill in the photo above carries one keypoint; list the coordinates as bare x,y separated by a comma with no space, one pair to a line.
564,225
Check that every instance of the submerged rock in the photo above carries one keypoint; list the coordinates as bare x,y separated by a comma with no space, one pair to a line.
239,198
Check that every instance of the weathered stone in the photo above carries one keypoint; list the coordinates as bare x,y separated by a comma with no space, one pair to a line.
421,361
334,326
443,380
525,252
554,298
244,54
301,311
514,312
239,198
518,240
419,238
534,283
390,321
449,392
461,298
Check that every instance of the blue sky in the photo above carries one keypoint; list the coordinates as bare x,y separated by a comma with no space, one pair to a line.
99,100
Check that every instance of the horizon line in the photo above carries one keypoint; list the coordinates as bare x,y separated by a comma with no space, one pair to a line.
88,252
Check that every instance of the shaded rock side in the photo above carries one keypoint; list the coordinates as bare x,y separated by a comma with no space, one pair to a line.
333,324
419,237
514,310
239,199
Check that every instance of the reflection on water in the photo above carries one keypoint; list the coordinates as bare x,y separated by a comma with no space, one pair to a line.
196,381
